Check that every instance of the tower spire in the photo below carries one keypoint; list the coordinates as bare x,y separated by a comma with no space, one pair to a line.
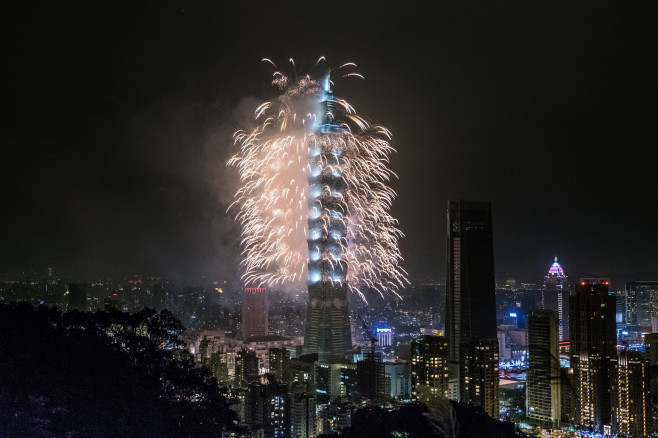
327,113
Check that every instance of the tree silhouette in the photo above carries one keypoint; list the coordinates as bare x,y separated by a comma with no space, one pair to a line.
441,419
111,374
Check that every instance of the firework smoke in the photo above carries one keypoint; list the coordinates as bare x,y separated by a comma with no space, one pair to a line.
314,199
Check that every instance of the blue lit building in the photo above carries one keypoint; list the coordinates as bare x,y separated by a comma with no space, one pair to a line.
384,336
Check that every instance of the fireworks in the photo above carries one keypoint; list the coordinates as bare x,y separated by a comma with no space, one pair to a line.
313,202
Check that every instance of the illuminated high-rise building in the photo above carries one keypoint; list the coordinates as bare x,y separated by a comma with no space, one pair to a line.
429,365
279,360
384,336
543,383
334,380
555,296
328,330
218,368
593,346
333,418
314,201
246,367
471,305
641,305
254,312
371,377
480,375
398,379
651,354
651,348
267,406
632,410
303,415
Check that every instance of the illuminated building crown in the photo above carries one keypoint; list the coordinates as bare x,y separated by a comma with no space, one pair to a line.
556,269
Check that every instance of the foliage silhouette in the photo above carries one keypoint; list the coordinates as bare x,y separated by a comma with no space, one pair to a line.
111,374
438,420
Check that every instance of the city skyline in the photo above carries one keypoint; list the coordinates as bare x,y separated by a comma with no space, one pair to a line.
235,284
509,360
225,219
118,147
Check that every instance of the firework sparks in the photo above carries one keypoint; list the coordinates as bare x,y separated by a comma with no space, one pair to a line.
313,199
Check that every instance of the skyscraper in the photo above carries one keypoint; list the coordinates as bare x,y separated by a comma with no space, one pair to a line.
303,415
641,306
218,368
471,302
398,379
429,365
480,375
555,296
327,322
254,312
333,380
371,377
314,204
593,346
543,385
267,406
631,394
651,355
279,360
246,367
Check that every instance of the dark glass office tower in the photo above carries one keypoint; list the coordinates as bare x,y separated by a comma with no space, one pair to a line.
470,298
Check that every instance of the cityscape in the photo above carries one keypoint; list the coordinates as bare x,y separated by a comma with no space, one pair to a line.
444,229
557,357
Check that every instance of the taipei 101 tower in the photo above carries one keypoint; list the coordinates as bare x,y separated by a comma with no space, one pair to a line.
313,204
327,322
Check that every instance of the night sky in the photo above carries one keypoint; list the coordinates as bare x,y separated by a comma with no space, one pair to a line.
118,120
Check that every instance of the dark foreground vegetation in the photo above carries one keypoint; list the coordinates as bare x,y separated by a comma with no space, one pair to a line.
104,374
